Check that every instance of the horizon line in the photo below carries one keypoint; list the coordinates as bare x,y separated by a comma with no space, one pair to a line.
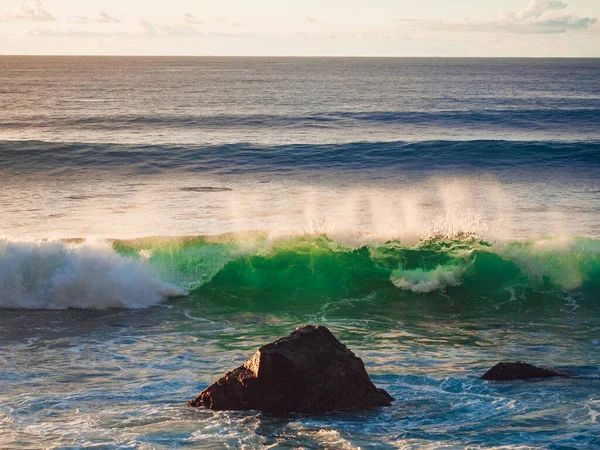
108,55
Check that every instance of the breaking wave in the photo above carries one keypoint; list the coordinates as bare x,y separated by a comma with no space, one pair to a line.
57,275
253,267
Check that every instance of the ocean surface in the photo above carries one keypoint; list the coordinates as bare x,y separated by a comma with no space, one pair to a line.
162,218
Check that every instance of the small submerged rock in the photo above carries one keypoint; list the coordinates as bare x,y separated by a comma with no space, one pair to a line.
309,371
509,371
205,189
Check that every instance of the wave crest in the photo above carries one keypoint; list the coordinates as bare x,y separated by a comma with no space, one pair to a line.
254,269
315,266
56,275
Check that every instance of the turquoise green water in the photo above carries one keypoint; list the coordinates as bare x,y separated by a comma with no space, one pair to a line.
252,272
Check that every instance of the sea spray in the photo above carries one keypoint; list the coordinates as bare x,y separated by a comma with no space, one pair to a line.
56,275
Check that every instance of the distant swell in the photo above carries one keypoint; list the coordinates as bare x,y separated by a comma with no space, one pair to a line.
583,118
22,157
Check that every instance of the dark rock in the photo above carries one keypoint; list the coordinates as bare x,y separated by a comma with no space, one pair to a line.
309,371
508,371
204,189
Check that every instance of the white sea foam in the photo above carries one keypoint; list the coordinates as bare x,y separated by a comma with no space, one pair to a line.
423,281
55,275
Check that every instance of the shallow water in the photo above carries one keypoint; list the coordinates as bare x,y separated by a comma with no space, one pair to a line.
120,379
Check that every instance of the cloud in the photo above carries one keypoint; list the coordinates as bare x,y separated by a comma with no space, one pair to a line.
28,11
227,22
53,33
105,18
539,17
141,28
185,26
191,19
557,25
104,25
182,27
102,17
145,28
537,8
178,30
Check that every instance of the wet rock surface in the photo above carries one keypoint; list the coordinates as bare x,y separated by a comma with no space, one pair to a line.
309,371
509,371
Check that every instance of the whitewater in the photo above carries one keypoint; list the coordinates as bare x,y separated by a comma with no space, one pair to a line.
161,218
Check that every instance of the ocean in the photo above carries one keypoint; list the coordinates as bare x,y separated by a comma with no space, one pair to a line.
162,218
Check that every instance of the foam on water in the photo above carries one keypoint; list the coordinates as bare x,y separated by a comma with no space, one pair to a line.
423,281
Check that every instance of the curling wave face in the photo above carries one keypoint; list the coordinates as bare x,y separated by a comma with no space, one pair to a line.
318,266
144,272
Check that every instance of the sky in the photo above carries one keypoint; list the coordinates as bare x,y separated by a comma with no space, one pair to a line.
569,28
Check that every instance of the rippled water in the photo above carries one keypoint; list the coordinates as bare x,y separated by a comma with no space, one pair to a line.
118,380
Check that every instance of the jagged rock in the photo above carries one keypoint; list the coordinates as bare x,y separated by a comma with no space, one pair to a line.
508,371
309,371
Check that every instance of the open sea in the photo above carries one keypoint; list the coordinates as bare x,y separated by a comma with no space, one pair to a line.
162,218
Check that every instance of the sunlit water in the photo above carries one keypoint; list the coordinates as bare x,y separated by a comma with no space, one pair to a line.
163,218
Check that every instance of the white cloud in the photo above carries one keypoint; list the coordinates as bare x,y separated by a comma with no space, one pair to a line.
303,35
539,17
182,27
28,11
537,8
105,18
68,32
102,17
179,30
145,28
104,25
191,19
227,21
